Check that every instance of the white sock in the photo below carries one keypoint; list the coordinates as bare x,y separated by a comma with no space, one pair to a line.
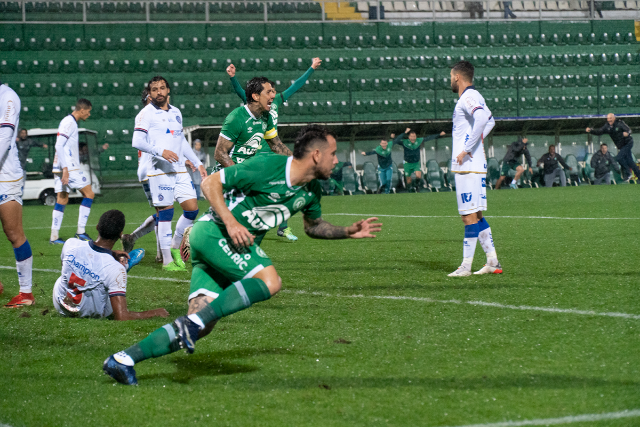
486,241
24,274
164,232
56,224
146,227
158,250
83,217
513,181
124,358
180,226
469,246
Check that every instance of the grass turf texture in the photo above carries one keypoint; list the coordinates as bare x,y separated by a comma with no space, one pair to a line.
303,359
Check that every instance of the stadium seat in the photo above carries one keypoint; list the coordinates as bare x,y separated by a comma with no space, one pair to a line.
493,171
434,176
370,180
573,176
350,180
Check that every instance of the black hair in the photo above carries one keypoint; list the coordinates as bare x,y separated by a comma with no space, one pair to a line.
465,68
144,96
83,104
310,137
111,224
256,85
552,145
604,145
412,131
157,79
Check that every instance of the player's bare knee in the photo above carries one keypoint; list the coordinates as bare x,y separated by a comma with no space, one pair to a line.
14,235
62,198
189,205
88,193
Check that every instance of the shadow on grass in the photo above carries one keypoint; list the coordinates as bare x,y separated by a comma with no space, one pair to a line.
212,364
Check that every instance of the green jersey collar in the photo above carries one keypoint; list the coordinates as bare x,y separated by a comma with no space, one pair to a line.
287,170
249,111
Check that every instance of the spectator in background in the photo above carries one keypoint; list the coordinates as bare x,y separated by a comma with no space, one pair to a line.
620,134
195,175
385,164
597,7
507,10
475,8
551,168
511,162
411,144
83,151
24,144
336,177
602,162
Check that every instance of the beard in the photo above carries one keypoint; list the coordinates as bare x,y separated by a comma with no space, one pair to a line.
454,87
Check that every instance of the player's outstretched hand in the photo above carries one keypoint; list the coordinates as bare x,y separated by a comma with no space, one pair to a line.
315,63
203,171
161,312
231,70
443,133
364,228
239,235
170,156
588,130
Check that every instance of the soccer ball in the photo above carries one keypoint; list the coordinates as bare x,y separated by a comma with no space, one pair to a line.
185,245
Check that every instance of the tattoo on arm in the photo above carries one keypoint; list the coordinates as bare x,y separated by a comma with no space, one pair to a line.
321,229
223,147
278,147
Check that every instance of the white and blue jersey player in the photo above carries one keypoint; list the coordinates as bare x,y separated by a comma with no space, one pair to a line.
11,186
472,122
67,173
158,132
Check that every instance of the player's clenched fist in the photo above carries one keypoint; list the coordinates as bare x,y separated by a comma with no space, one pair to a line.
231,70
315,63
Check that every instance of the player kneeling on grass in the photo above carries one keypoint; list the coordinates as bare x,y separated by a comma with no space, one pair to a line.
230,270
94,277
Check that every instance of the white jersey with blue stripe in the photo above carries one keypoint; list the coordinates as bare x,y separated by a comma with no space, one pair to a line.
469,103
90,276
10,169
163,129
67,146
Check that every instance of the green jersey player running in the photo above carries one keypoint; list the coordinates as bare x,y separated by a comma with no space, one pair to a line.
284,230
230,271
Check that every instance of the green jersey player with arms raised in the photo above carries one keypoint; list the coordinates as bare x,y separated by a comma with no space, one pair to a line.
284,230
230,271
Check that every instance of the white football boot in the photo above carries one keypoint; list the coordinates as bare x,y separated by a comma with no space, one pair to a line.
462,271
490,269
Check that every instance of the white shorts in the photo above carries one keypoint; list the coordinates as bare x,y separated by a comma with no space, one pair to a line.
147,191
11,191
95,303
471,192
167,188
77,181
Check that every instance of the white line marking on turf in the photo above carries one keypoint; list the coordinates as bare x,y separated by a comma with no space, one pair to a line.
458,216
405,298
563,420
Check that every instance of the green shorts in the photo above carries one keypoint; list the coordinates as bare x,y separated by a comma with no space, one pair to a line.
411,167
507,166
216,265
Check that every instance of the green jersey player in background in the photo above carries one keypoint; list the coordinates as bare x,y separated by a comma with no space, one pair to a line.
230,271
284,230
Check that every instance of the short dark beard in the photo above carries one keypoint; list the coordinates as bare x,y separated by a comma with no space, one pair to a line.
454,89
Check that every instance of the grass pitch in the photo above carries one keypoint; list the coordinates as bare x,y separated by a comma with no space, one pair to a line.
328,351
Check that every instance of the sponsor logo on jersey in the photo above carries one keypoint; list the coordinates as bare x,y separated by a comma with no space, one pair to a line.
277,182
178,119
299,203
260,252
239,260
4,197
174,132
165,188
484,180
248,151
266,217
255,140
250,129
274,196
81,268
160,197
466,197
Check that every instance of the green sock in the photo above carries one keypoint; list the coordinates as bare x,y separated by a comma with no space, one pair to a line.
236,297
283,226
160,342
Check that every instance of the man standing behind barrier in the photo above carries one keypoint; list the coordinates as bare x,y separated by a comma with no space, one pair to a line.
510,161
602,162
620,134
551,169
385,164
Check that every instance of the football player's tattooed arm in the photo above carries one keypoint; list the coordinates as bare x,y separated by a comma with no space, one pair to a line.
278,147
223,147
321,229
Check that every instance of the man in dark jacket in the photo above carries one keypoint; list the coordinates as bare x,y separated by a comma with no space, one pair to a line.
411,144
385,164
551,168
620,134
25,144
511,162
602,162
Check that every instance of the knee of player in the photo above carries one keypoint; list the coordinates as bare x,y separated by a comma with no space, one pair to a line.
62,198
15,235
274,284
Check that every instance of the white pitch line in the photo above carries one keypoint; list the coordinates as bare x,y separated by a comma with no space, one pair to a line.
74,226
563,420
458,216
405,298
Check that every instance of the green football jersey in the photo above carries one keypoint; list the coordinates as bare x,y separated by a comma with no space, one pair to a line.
246,132
272,130
259,194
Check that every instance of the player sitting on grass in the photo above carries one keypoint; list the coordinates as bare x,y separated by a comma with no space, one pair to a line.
94,277
230,271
